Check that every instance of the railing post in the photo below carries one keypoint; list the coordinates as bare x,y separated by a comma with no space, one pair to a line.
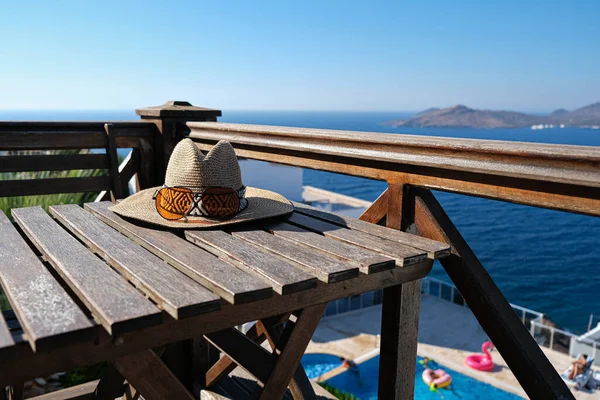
571,346
170,119
526,360
187,359
399,312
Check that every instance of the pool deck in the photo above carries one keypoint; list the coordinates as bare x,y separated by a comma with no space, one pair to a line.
355,335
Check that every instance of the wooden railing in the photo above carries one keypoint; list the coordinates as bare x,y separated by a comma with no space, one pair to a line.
552,176
543,175
33,146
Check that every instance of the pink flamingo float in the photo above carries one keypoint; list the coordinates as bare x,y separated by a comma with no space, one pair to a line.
481,362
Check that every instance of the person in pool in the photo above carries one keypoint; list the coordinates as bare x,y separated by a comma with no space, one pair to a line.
428,363
347,363
578,366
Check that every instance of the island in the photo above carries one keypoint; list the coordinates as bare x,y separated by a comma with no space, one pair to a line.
461,116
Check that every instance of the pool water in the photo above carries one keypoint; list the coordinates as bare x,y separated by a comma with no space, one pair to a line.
317,364
363,384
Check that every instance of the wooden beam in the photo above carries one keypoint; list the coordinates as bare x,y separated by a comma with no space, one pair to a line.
85,391
300,385
151,377
46,135
524,357
399,319
240,348
110,385
399,334
113,161
378,209
29,187
550,176
56,162
128,168
287,362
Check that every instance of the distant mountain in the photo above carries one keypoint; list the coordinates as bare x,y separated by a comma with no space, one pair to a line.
584,116
460,116
561,112
429,110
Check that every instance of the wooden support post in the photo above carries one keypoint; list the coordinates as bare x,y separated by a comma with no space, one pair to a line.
300,385
15,391
399,316
378,210
257,333
110,385
287,362
225,364
254,359
177,358
524,357
151,377
170,119
113,162
146,173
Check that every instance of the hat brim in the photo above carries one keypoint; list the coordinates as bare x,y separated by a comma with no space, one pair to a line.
261,204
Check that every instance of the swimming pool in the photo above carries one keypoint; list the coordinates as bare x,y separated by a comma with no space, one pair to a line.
317,364
363,384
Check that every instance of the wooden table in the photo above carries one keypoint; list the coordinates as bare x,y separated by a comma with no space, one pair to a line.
87,286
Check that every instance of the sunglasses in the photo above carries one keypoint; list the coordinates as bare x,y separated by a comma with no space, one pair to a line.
173,203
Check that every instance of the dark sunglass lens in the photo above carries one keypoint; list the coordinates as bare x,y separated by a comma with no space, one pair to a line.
220,202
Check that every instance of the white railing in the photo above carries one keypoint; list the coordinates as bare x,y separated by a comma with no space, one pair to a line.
447,291
564,342
545,335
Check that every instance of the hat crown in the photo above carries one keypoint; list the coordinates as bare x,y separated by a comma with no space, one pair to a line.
188,167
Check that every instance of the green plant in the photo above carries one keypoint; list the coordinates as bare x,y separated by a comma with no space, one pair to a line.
340,394
7,203
77,376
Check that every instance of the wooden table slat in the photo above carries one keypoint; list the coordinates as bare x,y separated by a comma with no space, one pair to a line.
179,295
368,261
45,311
117,305
284,277
27,365
229,282
404,255
433,248
326,268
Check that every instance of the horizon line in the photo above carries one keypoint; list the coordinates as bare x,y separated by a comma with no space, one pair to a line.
132,110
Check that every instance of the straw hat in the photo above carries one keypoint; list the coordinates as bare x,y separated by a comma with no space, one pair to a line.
189,168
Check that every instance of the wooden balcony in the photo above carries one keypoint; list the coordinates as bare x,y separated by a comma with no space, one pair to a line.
558,177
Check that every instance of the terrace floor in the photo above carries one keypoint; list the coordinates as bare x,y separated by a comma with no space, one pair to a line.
447,334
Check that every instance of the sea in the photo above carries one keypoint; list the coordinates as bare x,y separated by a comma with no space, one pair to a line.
541,259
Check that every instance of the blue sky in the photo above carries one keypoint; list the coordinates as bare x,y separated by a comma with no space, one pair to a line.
300,55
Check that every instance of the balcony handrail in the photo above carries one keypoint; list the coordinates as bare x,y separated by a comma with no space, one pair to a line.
557,177
32,146
551,176
55,135
563,177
